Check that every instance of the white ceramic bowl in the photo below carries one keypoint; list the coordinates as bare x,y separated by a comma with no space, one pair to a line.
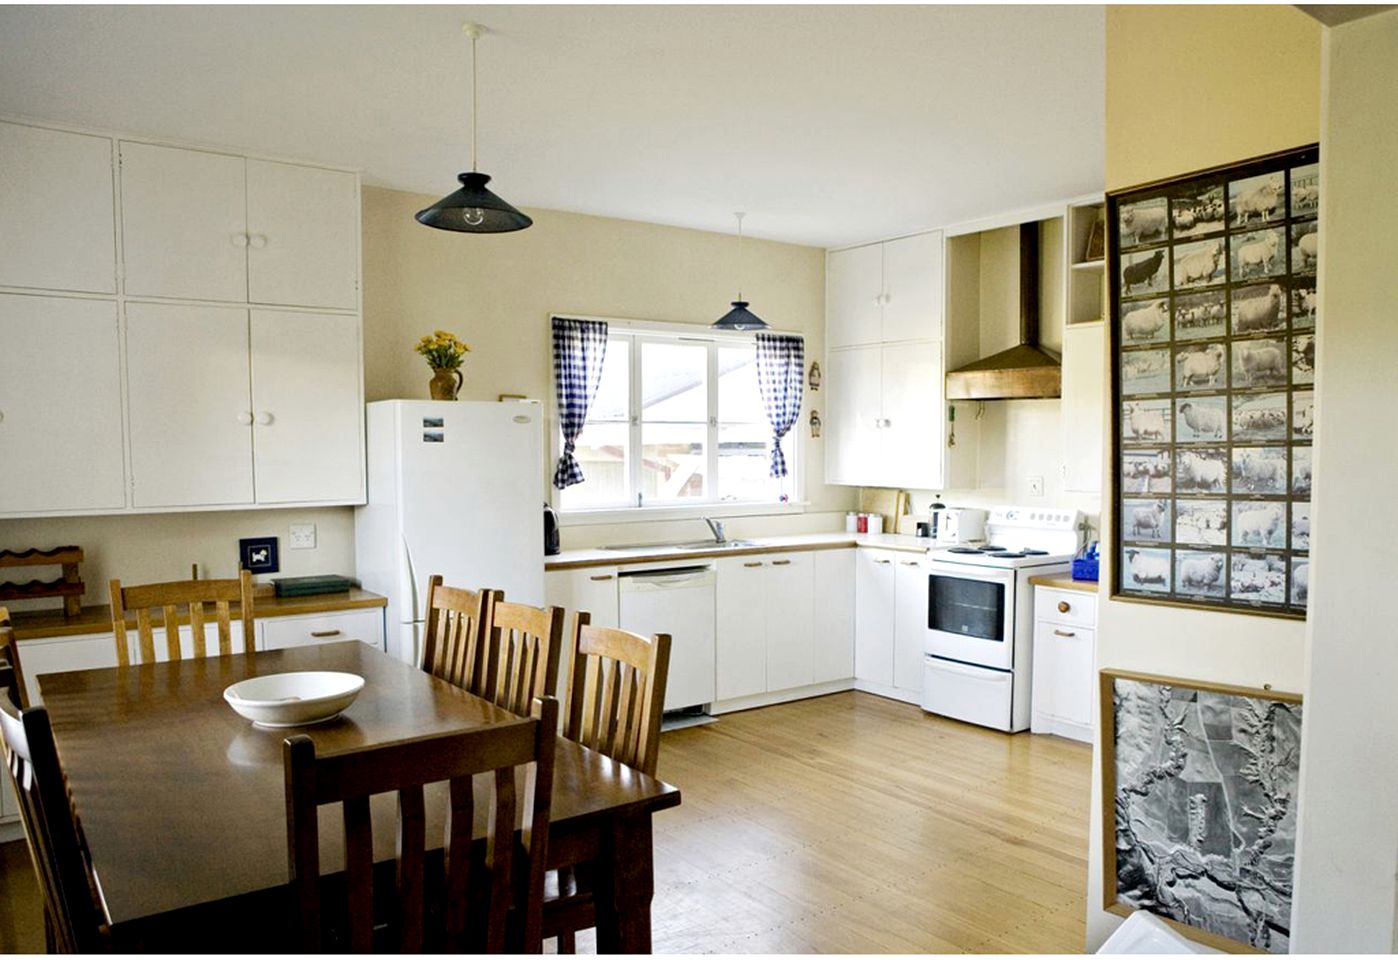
294,699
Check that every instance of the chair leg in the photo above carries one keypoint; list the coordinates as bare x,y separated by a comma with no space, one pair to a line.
50,938
567,942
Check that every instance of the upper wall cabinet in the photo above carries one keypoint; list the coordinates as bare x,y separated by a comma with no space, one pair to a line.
50,181
885,292
210,226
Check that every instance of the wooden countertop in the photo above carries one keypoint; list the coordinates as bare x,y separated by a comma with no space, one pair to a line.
1065,583
797,543
41,624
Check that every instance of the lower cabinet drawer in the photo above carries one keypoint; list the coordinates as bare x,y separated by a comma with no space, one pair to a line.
1065,606
278,633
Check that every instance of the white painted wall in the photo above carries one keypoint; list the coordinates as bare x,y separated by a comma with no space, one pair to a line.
1345,885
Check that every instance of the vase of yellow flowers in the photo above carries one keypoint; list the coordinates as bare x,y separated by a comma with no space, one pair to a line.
444,352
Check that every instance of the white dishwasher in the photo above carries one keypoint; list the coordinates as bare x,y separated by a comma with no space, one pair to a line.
677,600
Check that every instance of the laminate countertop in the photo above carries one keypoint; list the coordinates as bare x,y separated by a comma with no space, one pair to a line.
1065,583
43,624
834,540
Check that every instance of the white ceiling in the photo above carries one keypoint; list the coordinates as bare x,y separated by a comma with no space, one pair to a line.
826,124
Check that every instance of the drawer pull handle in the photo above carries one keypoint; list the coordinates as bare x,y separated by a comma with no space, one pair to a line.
910,563
877,560
781,563
757,563
1064,606
325,633
1064,633
600,577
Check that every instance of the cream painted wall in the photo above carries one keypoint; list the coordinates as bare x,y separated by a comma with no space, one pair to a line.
1348,802
1182,96
497,293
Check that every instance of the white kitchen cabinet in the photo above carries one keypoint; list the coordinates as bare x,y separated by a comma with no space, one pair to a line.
57,210
307,407
854,296
279,633
789,614
187,375
183,223
832,629
740,627
593,589
303,235
909,620
912,288
854,449
913,416
1084,412
874,615
1064,652
60,405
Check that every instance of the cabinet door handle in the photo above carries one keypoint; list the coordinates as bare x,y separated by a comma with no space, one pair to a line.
264,418
878,560
910,563
781,563
1064,606
600,577
238,239
245,417
757,563
322,634
1064,633
257,241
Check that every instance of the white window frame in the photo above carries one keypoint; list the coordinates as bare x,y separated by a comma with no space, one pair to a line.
657,331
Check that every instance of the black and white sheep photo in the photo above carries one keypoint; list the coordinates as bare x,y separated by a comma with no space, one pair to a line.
1303,304
1200,315
1259,579
1201,521
1257,200
1305,246
1144,273
1305,190
1300,526
1260,363
1145,569
1258,253
1145,221
1259,416
1145,421
1302,415
1260,308
1197,212
1260,470
1198,264
1300,581
1145,520
1199,573
1301,472
1202,470
1145,471
1259,523
1145,371
1145,321
1201,418
1303,358
1199,366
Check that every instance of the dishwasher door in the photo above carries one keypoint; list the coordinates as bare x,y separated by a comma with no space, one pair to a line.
678,601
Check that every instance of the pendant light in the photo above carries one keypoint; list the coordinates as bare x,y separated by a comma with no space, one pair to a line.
740,317
473,208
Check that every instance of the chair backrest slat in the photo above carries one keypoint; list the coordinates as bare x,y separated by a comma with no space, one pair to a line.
169,599
617,696
453,647
524,645
498,751
13,680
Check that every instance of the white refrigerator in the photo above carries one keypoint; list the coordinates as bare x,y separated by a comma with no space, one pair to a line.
455,488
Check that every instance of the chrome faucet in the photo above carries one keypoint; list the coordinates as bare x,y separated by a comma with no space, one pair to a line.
716,527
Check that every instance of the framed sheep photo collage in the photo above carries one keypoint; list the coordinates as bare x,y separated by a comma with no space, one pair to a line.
1212,284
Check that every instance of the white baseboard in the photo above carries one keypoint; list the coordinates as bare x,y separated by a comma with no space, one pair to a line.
780,696
892,693
1061,728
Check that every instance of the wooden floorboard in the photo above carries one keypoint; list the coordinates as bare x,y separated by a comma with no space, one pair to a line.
842,824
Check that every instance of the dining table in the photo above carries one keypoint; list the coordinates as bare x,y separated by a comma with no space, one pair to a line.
182,803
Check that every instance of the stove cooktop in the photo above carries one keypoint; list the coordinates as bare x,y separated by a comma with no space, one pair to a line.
999,556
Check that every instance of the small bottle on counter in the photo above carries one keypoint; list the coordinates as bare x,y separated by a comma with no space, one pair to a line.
875,523
862,523
851,522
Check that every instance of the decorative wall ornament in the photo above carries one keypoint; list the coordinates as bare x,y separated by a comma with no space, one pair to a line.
1202,779
815,423
815,377
1213,304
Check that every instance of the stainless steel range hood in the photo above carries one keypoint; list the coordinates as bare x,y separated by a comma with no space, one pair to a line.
1023,372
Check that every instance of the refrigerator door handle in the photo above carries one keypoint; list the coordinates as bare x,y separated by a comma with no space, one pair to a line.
412,583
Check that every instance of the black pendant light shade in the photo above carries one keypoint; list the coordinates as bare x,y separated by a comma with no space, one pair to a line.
739,318
473,209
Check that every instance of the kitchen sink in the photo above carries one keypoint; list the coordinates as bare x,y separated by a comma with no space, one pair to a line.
685,545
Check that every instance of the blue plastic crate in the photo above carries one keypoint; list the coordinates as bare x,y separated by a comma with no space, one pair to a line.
1086,566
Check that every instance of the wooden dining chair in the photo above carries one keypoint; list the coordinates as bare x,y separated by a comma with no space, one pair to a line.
454,642
522,654
477,904
169,598
616,700
10,663
74,921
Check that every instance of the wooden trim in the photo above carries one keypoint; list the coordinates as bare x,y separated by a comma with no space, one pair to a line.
1065,583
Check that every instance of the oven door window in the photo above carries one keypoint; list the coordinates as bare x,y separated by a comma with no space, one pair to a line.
967,608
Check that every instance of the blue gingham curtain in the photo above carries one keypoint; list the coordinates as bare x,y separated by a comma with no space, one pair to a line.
781,369
579,347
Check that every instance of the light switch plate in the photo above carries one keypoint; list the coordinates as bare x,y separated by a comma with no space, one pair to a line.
1036,486
303,536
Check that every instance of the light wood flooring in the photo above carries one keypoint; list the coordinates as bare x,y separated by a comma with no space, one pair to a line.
843,824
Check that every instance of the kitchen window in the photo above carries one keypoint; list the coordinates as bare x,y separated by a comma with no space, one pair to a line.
677,421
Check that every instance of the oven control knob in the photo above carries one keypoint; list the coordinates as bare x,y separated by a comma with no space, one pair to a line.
1064,606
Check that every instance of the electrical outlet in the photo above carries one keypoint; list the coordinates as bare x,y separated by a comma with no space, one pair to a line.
1036,486
303,536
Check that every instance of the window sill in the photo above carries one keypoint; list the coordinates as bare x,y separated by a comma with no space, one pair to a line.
579,518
